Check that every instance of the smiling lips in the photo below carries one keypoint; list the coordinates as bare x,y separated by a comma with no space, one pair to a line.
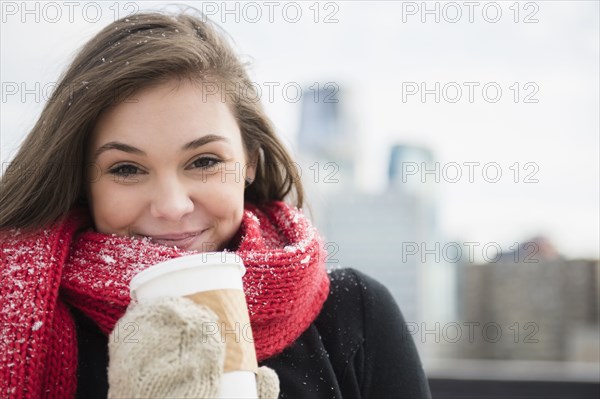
183,240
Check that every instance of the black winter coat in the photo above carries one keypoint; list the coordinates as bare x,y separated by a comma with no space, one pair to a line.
358,347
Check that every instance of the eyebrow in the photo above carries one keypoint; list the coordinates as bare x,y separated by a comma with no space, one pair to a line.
115,145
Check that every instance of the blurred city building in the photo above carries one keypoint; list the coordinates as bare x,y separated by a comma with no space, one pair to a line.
546,307
367,231
327,138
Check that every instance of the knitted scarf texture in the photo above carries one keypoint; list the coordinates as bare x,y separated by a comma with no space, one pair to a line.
44,274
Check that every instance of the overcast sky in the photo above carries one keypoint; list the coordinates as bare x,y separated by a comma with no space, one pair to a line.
546,51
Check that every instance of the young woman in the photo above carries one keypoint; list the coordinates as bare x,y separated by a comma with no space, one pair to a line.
154,146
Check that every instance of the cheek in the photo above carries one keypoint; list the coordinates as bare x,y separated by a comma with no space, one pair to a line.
225,202
113,211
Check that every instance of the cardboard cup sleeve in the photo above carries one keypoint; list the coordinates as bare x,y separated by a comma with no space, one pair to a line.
233,326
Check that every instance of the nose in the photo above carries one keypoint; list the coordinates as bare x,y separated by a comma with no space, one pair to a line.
171,200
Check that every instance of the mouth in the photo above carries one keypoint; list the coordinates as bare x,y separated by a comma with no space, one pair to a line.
183,241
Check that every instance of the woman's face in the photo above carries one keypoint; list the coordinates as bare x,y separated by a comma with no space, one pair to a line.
169,164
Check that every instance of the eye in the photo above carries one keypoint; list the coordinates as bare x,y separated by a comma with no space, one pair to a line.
124,170
206,162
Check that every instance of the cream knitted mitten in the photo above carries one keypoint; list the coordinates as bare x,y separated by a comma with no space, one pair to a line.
158,350
161,348
267,383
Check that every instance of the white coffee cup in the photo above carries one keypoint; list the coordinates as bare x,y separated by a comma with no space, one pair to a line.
213,279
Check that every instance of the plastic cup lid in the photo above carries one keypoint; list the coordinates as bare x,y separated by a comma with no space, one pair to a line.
205,259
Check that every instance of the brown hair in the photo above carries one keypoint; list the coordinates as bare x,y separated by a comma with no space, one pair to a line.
46,178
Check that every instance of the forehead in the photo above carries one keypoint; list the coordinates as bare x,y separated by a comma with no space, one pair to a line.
171,112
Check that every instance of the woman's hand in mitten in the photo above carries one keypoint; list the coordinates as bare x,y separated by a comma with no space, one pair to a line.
267,383
173,354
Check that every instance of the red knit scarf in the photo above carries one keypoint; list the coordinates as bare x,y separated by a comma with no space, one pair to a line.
286,285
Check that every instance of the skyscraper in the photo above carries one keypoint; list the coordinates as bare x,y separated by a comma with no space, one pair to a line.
369,232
